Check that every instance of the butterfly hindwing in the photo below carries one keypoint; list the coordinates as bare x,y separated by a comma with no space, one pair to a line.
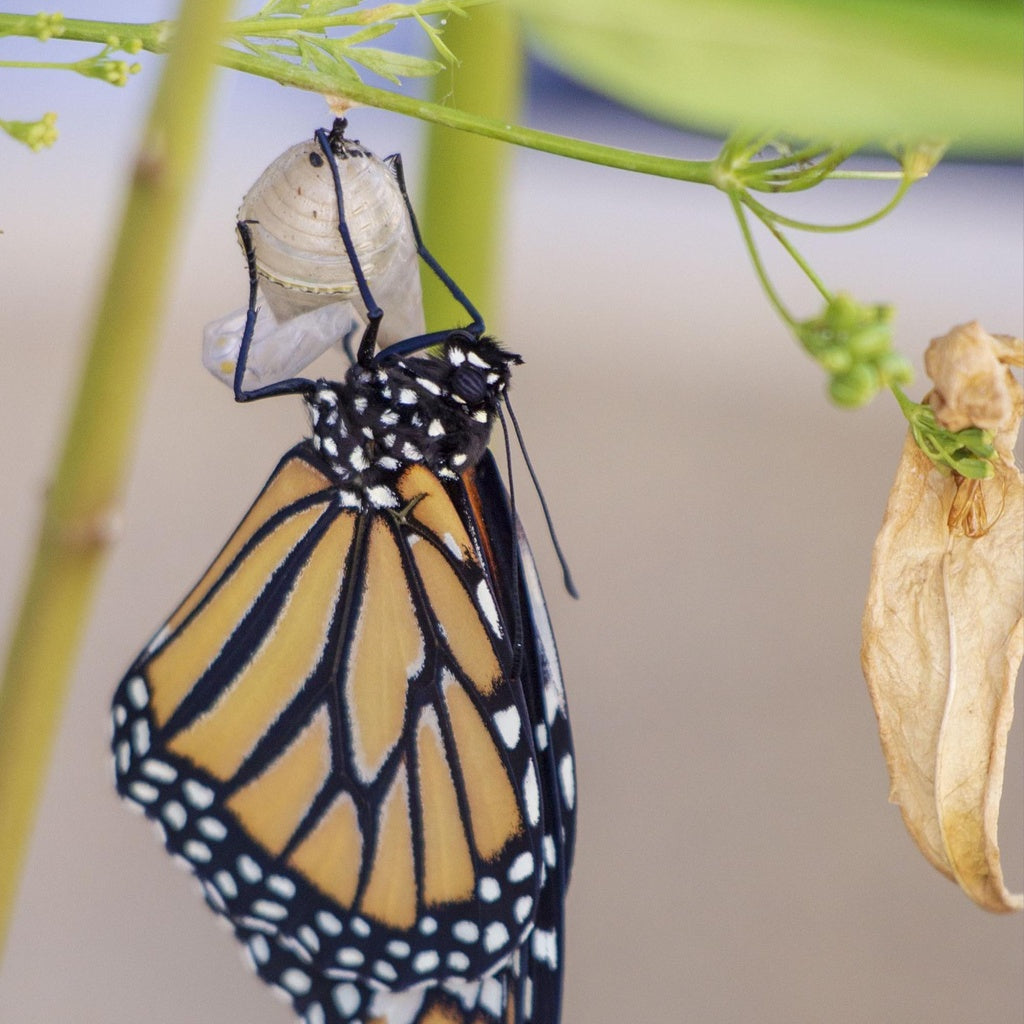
547,710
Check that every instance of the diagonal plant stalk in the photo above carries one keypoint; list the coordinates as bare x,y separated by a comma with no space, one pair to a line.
465,180
80,507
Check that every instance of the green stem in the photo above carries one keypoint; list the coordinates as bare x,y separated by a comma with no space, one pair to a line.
276,26
698,171
736,200
465,174
786,244
766,214
155,38
80,508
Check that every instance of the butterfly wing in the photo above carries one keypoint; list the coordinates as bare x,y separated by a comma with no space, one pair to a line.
329,734
540,672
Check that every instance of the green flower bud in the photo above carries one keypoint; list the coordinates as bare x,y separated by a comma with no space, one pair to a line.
835,359
856,387
868,343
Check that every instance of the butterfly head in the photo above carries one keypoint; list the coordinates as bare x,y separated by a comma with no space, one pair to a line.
472,372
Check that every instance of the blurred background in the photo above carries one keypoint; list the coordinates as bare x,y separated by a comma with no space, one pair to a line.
737,858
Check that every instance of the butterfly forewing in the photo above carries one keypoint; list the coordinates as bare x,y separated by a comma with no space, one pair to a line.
329,734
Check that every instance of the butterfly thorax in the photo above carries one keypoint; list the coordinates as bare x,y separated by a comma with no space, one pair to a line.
385,416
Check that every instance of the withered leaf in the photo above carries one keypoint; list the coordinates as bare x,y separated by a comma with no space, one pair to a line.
943,627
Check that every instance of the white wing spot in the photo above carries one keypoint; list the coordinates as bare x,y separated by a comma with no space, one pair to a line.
486,600
465,931
492,996
545,947
531,794
198,795
174,814
143,792
551,703
309,938
159,771
269,909
489,890
198,852
346,998
509,725
138,692
140,737
296,981
281,886
350,957
523,908
425,962
567,775
213,828
259,948
549,852
458,961
384,970
226,883
327,922
452,545
521,868
495,936
248,870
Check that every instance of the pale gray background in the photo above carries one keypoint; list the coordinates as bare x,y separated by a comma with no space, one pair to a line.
737,859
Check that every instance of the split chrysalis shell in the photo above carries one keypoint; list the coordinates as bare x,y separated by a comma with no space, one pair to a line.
310,300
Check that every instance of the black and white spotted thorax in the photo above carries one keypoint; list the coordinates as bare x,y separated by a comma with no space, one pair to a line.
392,413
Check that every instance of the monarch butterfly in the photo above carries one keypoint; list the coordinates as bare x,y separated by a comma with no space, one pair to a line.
353,730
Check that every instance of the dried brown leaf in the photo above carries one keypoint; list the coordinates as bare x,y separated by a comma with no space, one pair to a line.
943,625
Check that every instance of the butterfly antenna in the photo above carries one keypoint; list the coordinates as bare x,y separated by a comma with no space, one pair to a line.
566,574
373,311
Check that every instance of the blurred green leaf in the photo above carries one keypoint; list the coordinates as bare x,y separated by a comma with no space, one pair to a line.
839,69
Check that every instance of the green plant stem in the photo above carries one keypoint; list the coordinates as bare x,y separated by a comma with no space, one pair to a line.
80,508
767,215
465,177
266,26
771,226
155,38
698,171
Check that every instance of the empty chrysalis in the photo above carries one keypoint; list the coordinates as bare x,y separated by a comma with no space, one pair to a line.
310,298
